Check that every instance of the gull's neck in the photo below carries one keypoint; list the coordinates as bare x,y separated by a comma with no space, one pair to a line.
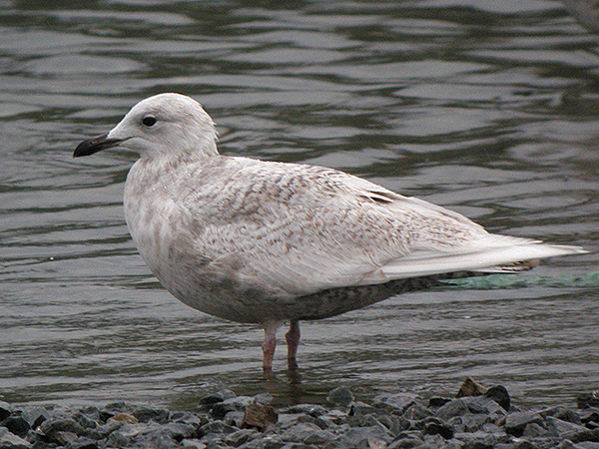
194,153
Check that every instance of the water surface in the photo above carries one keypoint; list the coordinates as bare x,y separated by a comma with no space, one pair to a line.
489,108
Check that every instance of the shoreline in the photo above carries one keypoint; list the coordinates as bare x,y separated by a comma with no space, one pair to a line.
477,418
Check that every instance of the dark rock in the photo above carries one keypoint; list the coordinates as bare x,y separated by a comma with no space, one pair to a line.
53,429
105,430
17,425
42,445
82,443
561,413
217,427
522,444
340,397
88,419
359,408
63,438
586,435
238,403
125,434
482,440
455,407
259,416
534,430
405,441
417,411
516,422
5,410
178,431
588,415
188,418
585,400
438,401
145,414
212,399
240,437
434,428
500,395
470,388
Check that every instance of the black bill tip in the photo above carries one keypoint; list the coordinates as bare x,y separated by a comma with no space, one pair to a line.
95,144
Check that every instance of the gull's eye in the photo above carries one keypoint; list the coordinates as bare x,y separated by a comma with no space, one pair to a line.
149,120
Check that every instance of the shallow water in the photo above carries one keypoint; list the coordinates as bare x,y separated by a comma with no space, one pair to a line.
489,108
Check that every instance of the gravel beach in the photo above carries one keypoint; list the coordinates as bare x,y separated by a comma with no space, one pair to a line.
478,418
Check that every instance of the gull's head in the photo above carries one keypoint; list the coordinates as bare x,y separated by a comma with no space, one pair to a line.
165,124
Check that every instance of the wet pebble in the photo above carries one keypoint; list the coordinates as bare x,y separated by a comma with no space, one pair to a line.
224,421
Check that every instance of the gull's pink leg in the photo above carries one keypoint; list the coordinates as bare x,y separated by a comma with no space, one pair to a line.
268,348
293,338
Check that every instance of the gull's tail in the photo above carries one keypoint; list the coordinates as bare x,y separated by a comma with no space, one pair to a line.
495,254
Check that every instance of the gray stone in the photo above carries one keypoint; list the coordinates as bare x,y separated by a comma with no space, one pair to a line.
589,445
234,418
263,398
308,409
567,444
11,441
533,430
52,426
193,444
482,440
405,442
358,436
35,416
586,435
469,422
234,404
333,417
483,404
188,418
240,437
340,396
516,422
82,443
456,407
417,411
307,433
563,429
400,401
562,413
216,427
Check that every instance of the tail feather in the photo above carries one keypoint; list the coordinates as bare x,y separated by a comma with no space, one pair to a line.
516,255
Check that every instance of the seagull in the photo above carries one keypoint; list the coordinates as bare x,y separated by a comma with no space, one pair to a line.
267,242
